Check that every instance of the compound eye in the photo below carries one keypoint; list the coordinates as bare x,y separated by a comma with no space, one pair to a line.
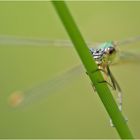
99,50
111,50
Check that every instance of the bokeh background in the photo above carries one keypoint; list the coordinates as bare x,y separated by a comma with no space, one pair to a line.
75,110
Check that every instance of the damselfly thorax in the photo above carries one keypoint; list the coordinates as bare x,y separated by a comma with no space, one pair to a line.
105,55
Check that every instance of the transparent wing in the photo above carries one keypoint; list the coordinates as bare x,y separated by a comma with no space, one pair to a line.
128,41
129,56
23,41
125,57
23,98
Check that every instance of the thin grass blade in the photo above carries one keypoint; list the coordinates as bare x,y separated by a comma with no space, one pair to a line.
91,68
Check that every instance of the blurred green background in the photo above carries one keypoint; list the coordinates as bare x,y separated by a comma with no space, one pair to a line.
74,111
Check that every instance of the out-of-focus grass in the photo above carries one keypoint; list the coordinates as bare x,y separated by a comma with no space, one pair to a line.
74,112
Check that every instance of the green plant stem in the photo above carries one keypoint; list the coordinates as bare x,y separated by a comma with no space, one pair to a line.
91,68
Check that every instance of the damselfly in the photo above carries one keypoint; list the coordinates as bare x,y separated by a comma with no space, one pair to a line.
105,54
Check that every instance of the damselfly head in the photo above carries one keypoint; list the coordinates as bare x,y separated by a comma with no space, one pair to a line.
110,50
110,47
105,53
110,53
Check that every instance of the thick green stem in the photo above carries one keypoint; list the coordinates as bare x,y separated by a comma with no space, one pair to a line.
91,68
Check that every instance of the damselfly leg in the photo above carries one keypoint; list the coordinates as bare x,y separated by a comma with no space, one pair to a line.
112,82
118,91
